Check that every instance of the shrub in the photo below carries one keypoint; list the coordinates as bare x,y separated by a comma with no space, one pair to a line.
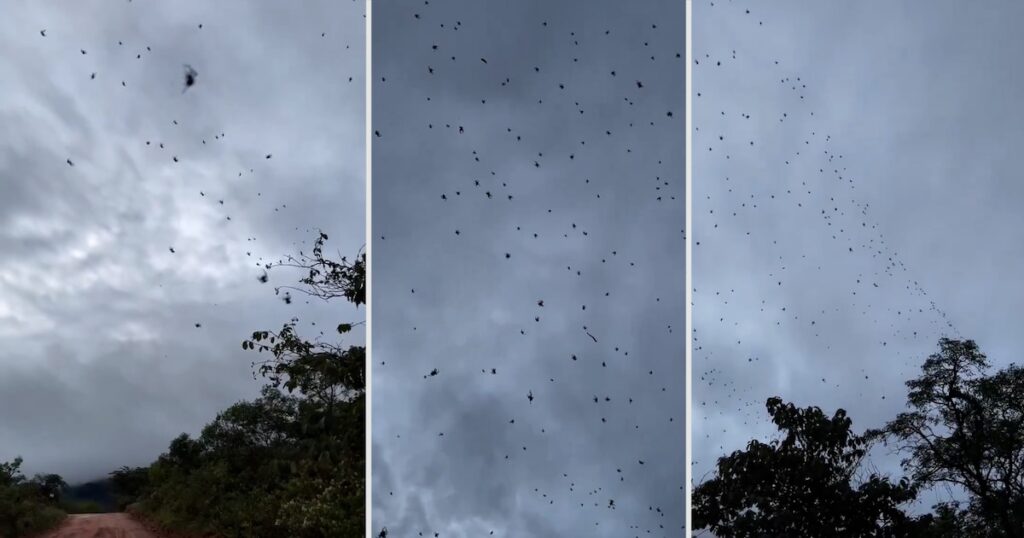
27,506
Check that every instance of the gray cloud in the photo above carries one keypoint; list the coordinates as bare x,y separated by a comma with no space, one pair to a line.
102,362
594,166
908,160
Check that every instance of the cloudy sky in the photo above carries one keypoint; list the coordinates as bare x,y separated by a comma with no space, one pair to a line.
102,364
821,242
527,153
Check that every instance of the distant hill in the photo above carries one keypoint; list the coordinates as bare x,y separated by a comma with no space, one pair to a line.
100,492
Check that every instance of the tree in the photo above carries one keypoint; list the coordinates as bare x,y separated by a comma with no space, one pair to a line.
290,463
27,506
966,428
50,486
10,472
327,493
326,278
129,484
803,484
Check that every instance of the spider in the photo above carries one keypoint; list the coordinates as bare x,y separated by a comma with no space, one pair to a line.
190,77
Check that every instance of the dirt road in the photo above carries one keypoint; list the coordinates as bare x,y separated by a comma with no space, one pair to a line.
100,526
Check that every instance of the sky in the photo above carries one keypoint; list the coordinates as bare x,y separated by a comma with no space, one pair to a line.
855,197
528,152
102,362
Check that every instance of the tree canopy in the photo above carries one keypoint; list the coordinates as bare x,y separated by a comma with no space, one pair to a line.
290,463
964,427
28,506
802,484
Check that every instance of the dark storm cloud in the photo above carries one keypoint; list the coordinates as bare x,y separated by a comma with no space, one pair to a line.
593,162
820,248
102,362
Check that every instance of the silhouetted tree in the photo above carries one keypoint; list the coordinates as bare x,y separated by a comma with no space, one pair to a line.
803,484
966,429
327,278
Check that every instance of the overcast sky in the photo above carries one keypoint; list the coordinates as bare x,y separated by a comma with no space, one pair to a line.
906,173
561,112
102,364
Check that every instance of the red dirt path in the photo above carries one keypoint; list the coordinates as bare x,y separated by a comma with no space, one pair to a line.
100,526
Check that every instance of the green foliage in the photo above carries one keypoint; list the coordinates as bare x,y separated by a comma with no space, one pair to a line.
27,506
290,463
129,484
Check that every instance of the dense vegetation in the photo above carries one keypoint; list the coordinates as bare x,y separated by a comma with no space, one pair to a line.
31,505
964,428
290,463
28,506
